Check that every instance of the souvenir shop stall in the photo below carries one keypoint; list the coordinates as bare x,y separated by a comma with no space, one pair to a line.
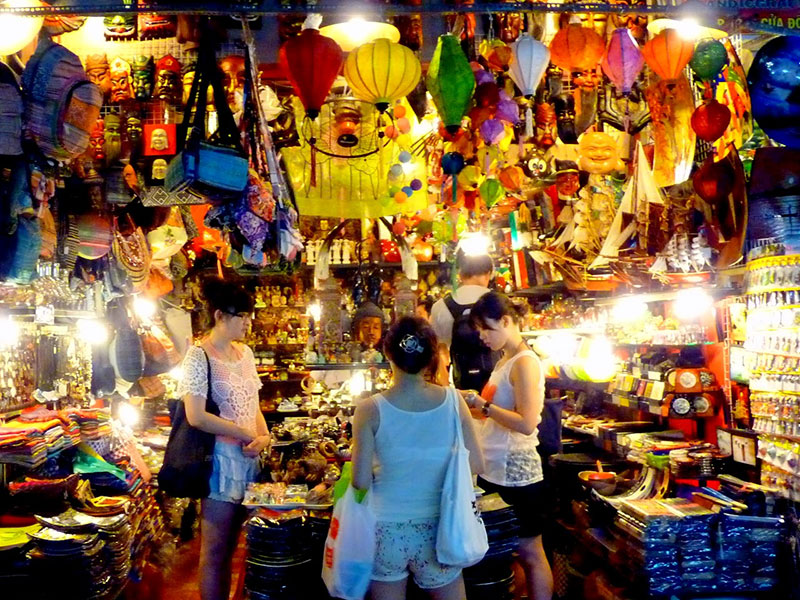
631,169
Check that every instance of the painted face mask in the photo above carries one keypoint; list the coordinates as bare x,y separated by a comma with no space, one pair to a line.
168,76
96,149
159,140
159,169
112,136
233,80
97,72
598,153
121,89
133,127
120,27
143,69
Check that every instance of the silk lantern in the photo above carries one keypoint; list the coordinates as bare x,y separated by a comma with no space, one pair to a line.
507,109
668,53
491,191
469,177
531,58
381,72
511,178
714,181
710,120
708,59
623,61
311,63
450,81
492,131
576,48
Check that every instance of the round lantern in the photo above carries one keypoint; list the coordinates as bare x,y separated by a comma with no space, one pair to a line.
499,55
531,58
491,191
311,63
668,53
710,120
708,59
469,177
623,61
714,181
576,48
381,72
507,109
774,80
487,95
450,81
452,163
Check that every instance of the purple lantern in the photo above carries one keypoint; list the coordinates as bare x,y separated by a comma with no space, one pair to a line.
482,76
492,131
623,61
507,109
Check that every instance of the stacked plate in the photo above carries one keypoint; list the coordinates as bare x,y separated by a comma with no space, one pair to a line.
279,559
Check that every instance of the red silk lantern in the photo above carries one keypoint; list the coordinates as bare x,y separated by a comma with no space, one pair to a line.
710,120
668,53
576,48
311,63
714,181
487,95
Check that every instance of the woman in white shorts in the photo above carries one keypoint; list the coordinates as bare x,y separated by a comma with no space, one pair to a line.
402,443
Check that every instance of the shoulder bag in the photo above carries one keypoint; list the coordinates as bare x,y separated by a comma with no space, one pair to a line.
215,169
188,459
461,539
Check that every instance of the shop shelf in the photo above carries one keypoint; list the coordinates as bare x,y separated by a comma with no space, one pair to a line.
431,264
541,291
346,366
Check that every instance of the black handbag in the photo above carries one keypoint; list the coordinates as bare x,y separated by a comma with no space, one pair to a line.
188,459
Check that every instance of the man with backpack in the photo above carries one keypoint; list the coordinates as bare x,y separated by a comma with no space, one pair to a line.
472,361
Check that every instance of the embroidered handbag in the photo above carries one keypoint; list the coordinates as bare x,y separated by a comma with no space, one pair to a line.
131,253
216,168
61,104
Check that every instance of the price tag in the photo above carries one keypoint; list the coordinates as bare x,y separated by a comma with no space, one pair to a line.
45,315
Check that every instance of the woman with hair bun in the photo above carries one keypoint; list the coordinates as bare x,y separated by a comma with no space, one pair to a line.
511,404
240,429
402,444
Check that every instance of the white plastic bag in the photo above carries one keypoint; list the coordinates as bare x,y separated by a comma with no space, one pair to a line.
461,539
349,548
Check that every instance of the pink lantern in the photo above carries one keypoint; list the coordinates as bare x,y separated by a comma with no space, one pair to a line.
492,131
623,61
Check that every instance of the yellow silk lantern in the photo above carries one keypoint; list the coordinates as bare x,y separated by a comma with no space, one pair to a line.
381,72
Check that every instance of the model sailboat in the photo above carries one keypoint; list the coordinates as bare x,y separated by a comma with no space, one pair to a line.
641,188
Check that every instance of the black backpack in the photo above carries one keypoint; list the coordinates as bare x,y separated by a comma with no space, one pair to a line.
472,360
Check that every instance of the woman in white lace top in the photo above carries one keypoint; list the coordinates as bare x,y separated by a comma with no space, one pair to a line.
240,427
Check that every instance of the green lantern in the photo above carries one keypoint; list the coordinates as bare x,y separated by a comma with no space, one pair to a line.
491,191
450,81
708,59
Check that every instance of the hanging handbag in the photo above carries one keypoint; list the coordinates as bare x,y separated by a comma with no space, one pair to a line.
188,459
216,168
461,539
131,253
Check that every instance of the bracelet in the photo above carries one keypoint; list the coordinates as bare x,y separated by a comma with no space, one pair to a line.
485,409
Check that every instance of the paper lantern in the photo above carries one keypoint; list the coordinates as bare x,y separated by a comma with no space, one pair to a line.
576,48
492,131
531,58
708,59
714,181
511,178
18,30
452,163
491,191
623,61
487,95
469,177
507,109
382,72
710,120
311,63
774,86
668,53
450,81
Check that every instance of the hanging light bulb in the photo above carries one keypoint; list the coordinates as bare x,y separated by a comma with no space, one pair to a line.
692,303
9,333
17,31
474,244
128,414
144,308
92,331
628,310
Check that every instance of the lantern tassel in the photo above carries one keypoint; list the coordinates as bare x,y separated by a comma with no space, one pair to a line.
454,185
528,122
626,125
313,166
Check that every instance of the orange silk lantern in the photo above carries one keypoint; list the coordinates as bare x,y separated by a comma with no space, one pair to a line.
511,178
667,54
576,48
